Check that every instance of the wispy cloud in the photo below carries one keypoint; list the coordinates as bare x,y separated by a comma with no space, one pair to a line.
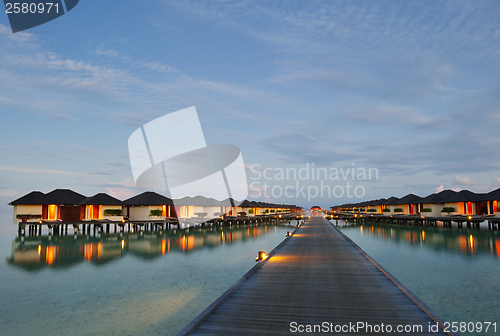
36,171
464,180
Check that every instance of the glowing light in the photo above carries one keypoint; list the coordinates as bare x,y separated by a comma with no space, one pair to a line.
39,249
163,246
261,256
52,211
288,233
123,244
471,240
50,254
470,217
423,235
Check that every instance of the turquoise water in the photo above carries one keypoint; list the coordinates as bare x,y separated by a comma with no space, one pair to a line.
151,284
456,272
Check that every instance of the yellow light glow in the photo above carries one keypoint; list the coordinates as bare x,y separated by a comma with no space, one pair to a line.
39,249
52,211
423,235
123,244
50,254
471,239
470,217
261,256
163,246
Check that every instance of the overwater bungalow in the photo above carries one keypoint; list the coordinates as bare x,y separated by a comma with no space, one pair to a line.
491,200
148,206
59,204
442,203
389,205
201,207
101,206
247,207
434,204
410,204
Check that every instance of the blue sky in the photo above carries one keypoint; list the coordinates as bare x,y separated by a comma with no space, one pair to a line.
408,87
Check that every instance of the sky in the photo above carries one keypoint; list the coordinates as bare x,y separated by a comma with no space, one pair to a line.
408,90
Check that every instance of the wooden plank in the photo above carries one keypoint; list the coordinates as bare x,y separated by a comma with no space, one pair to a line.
317,275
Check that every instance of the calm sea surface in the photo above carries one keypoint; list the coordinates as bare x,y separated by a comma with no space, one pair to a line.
157,282
149,284
456,272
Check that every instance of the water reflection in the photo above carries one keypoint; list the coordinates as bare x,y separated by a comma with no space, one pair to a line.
36,252
469,242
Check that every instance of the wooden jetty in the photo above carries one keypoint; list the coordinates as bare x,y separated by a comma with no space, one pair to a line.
314,277
471,221
57,227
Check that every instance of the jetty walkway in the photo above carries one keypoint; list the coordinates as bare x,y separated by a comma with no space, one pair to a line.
316,281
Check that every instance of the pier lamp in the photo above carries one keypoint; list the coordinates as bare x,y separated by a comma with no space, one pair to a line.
470,217
40,221
261,256
288,234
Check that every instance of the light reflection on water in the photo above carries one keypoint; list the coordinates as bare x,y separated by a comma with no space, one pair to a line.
454,271
136,284
34,252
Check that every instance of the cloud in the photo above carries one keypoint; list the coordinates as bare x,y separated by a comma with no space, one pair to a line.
120,193
391,114
303,148
9,193
440,188
103,172
115,163
37,171
128,182
464,180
